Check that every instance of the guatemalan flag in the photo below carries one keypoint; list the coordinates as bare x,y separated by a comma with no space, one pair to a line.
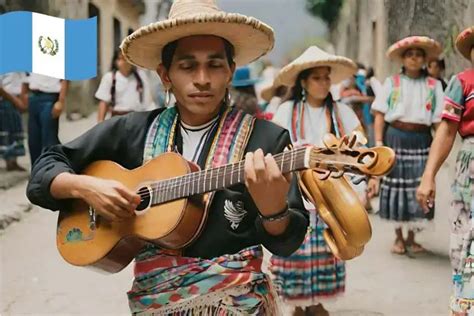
46,45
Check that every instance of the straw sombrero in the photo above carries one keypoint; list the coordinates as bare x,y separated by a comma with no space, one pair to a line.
268,92
431,47
465,41
341,67
250,37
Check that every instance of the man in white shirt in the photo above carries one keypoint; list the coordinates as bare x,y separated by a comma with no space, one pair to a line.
45,104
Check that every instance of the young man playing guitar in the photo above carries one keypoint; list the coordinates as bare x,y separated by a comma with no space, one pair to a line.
195,53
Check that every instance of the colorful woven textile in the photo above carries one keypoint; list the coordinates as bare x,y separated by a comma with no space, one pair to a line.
312,273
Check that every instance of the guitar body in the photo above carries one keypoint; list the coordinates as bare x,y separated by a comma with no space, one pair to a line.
111,246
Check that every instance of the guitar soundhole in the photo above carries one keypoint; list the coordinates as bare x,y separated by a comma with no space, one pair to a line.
145,198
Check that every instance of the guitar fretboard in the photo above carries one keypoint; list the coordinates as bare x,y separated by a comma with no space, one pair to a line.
218,178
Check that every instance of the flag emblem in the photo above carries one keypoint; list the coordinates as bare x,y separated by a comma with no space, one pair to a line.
48,46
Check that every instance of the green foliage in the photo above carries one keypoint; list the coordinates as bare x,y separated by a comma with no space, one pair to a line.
328,10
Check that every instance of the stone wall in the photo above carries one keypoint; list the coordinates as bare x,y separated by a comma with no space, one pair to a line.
441,20
366,28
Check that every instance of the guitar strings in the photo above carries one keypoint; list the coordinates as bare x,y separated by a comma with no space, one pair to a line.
165,186
224,167
170,191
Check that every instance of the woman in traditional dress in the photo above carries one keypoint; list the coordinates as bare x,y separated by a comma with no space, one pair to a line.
312,273
458,116
409,106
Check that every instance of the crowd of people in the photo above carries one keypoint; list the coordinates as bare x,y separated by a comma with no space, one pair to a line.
211,94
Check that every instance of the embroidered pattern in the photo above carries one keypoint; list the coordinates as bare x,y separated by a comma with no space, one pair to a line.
234,213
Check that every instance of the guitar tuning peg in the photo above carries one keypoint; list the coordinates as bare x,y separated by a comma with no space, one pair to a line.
330,141
322,174
344,142
359,139
338,174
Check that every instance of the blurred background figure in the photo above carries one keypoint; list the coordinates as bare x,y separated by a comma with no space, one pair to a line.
123,89
353,93
405,112
272,96
46,102
436,68
11,125
243,93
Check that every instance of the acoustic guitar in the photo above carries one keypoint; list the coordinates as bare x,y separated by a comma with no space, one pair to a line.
173,208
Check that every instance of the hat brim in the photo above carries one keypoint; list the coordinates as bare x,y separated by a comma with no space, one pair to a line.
250,37
465,41
431,50
268,93
244,83
341,68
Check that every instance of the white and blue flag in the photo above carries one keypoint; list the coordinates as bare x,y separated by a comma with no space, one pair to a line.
46,45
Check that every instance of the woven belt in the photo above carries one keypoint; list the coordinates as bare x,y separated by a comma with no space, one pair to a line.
410,127
115,113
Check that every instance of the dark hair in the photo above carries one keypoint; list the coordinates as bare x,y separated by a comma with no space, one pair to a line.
250,90
440,62
297,90
360,65
370,73
170,48
114,70
280,91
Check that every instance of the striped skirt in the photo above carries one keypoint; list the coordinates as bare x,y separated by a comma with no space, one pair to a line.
462,231
312,273
398,189
11,131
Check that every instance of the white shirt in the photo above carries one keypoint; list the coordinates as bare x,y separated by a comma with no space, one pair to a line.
410,106
127,96
11,82
194,138
376,86
43,83
315,122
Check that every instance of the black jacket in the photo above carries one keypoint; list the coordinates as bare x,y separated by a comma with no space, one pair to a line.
121,139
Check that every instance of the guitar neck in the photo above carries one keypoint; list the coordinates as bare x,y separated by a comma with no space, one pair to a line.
224,176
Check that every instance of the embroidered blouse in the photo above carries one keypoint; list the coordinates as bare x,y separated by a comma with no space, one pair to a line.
316,125
410,100
459,102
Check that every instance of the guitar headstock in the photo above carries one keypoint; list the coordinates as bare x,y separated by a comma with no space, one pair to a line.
346,155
